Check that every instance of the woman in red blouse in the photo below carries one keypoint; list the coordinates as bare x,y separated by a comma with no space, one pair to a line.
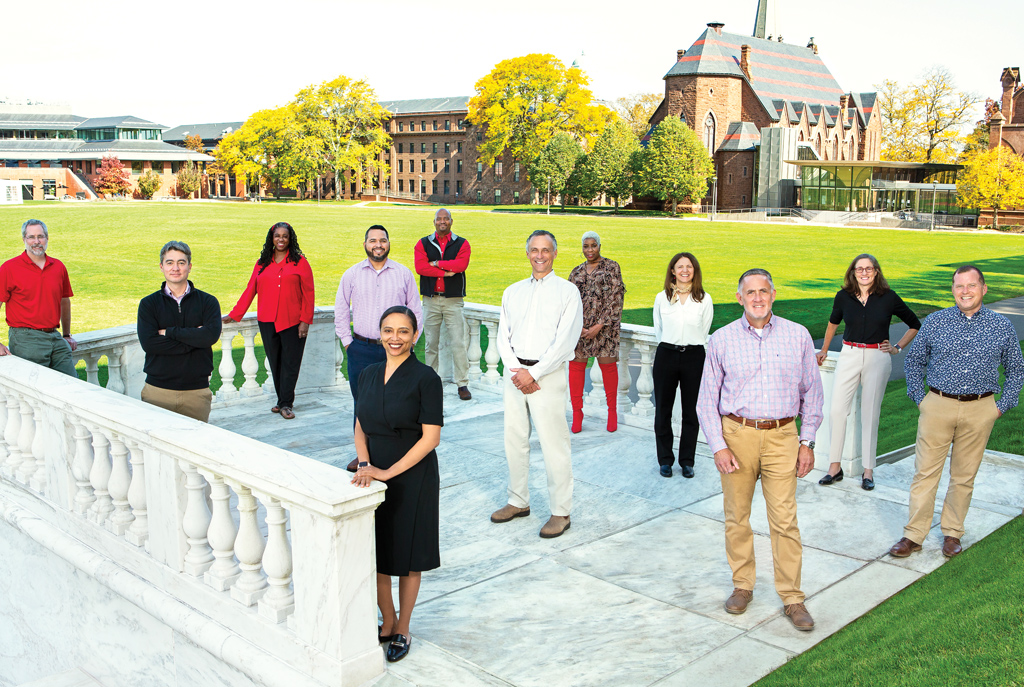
284,282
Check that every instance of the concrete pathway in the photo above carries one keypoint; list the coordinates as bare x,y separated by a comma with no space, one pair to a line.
632,594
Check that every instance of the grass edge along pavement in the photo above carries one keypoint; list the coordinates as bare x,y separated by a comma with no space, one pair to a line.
962,624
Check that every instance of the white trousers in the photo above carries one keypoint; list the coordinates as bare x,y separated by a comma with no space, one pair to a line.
868,368
546,408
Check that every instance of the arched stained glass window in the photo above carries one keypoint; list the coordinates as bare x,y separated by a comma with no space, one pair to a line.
709,133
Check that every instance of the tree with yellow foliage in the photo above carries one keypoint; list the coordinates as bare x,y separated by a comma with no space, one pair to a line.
992,179
525,101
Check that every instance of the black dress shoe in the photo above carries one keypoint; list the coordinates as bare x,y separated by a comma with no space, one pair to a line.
687,471
829,479
867,484
383,638
665,470
398,649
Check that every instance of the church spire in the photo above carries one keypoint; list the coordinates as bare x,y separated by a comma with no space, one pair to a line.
762,18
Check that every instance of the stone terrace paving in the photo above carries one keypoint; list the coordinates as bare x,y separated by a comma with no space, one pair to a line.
632,594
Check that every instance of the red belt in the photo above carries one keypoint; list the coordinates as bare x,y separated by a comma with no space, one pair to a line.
860,345
760,424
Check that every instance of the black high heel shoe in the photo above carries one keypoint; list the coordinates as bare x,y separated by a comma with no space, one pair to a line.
398,649
830,479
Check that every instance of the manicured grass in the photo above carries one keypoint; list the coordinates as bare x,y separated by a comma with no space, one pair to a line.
960,625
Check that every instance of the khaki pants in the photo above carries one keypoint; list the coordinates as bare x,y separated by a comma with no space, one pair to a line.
194,403
48,349
770,454
438,310
966,425
868,368
547,409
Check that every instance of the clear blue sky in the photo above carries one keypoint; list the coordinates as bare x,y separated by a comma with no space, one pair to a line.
189,61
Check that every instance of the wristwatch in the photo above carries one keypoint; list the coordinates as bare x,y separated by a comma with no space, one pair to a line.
899,349
808,444
364,464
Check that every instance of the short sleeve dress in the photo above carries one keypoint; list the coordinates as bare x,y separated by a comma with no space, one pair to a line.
391,416
602,293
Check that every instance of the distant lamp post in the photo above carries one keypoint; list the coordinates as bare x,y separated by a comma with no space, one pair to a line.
419,194
932,228
549,195
714,196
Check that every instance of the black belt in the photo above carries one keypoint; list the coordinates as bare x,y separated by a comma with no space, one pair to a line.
962,397
373,342
528,363
681,349
47,330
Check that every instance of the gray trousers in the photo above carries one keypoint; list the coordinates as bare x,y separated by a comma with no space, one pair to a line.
48,349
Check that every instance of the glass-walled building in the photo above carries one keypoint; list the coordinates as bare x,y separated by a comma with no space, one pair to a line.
872,186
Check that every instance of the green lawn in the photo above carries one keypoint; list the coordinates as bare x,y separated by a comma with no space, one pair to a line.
958,626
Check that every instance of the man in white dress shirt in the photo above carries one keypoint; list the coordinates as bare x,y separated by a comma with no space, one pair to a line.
541,321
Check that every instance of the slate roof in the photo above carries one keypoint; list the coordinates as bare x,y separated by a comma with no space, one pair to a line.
865,103
456,104
126,121
779,71
21,120
740,136
76,149
207,132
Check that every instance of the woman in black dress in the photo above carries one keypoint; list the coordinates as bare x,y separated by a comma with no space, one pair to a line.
398,425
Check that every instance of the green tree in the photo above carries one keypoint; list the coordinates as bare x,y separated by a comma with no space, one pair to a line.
607,168
269,145
636,110
555,163
923,121
525,101
189,178
344,120
992,179
113,179
674,166
149,183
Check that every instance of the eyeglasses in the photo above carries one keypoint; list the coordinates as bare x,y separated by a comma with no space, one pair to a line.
863,270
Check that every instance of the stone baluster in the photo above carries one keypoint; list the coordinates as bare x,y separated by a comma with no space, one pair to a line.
118,485
12,430
339,362
475,352
115,382
625,378
80,467
195,522
268,385
645,383
279,601
249,546
25,438
224,571
37,481
92,368
491,355
99,476
595,399
250,366
227,366
3,430
138,533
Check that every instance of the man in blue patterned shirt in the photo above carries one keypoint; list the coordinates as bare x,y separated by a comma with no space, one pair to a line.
961,349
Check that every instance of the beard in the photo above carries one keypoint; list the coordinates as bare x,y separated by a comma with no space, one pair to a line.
374,258
38,252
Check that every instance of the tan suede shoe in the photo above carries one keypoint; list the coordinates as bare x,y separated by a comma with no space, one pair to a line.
555,526
801,619
738,600
507,512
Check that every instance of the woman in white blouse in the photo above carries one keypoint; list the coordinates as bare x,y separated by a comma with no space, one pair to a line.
682,320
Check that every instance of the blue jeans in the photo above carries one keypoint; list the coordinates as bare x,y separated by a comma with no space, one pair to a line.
360,356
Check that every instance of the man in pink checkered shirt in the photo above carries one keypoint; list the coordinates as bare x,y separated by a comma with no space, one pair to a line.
760,373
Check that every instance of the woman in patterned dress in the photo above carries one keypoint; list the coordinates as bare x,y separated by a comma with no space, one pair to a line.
600,283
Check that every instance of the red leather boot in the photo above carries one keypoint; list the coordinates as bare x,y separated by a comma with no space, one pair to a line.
577,374
610,374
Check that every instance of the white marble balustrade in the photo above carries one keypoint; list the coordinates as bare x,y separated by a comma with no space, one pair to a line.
272,545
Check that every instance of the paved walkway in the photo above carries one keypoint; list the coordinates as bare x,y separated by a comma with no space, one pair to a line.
632,594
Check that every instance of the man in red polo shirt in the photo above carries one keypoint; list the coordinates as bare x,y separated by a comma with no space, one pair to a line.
37,291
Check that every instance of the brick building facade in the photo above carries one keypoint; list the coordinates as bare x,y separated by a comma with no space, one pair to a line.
1006,128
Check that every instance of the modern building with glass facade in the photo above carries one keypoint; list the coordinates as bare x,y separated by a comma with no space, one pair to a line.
873,186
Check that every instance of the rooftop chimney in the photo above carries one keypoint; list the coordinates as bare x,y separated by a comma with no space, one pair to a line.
844,101
995,130
745,61
679,55
812,45
1009,79
717,26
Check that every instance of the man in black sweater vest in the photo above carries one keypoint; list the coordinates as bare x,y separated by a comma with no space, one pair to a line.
178,325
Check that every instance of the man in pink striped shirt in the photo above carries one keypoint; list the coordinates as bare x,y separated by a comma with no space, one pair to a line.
759,375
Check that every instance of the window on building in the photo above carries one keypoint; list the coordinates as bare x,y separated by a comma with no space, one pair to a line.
447,166
352,190
460,146
835,148
412,126
515,196
401,147
435,125
423,147
730,177
458,187
434,166
401,185
88,167
497,196
852,155
460,123
423,125
447,125
479,136
49,187
435,147
743,200
174,167
137,167
709,133
479,171
497,169
447,147
423,187
515,175
401,126
458,166
423,165
433,187
412,165
446,188
400,167
744,172
157,167
479,196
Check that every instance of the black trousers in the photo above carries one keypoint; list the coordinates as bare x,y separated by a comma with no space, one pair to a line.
284,352
672,369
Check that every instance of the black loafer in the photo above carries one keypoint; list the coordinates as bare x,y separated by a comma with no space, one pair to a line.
665,470
398,649
829,479
383,638
867,484
687,471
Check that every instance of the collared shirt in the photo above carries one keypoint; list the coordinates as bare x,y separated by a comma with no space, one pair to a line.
962,355
869,322
541,319
286,294
683,323
459,264
177,299
33,295
769,376
364,294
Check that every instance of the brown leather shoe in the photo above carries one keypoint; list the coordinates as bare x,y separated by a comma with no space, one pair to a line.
951,546
801,619
903,548
738,600
507,512
555,526
464,393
